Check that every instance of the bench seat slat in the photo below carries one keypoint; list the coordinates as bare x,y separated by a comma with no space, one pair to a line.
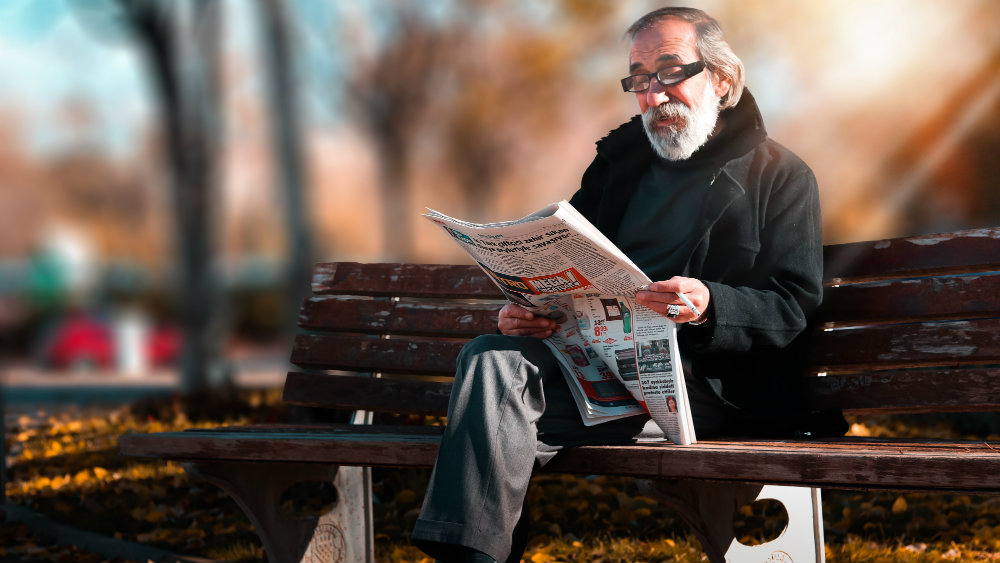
971,466
403,280
923,446
951,297
390,317
908,391
906,346
970,251
418,356
351,392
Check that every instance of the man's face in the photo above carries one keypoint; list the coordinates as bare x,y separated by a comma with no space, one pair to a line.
679,118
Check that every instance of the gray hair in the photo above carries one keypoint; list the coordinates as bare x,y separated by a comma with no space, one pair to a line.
711,44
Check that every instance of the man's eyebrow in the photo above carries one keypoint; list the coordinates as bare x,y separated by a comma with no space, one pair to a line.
661,59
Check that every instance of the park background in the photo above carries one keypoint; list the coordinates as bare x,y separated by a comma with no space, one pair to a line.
170,170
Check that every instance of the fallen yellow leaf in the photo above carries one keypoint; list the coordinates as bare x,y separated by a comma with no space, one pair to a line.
859,430
899,506
53,448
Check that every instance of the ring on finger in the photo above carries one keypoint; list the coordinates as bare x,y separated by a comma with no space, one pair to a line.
673,311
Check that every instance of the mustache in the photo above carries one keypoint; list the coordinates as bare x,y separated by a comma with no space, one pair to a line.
669,110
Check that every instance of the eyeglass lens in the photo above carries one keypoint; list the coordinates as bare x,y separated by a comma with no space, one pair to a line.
665,76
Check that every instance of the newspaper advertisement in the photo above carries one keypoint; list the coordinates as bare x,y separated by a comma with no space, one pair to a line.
619,358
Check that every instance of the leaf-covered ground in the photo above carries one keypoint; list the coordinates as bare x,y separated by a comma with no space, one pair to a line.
65,467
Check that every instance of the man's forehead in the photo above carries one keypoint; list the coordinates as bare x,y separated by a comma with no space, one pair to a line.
662,60
667,41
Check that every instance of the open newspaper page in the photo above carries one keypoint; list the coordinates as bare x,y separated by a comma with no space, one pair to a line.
619,358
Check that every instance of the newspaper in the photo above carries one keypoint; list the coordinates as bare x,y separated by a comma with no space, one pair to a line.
619,358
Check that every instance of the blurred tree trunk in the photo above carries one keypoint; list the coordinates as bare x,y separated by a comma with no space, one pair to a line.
286,141
180,40
390,91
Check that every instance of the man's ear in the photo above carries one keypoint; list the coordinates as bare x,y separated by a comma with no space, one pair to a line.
721,85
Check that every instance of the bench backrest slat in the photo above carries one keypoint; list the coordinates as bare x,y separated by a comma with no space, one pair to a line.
384,316
415,356
908,391
906,345
945,297
403,280
367,393
976,250
870,348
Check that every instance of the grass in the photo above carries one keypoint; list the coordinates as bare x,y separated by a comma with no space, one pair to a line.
66,467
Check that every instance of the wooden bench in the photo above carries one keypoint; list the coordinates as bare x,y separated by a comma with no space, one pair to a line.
909,325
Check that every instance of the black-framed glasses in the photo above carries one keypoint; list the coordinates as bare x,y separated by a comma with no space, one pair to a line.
666,76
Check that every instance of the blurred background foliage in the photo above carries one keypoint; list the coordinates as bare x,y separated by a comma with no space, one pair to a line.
171,169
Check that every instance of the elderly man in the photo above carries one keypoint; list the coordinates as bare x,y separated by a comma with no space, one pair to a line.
697,195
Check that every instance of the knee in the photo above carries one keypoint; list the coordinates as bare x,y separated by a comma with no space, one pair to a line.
484,350
484,344
494,348
495,356
502,374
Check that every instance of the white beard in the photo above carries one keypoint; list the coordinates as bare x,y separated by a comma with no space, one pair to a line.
678,142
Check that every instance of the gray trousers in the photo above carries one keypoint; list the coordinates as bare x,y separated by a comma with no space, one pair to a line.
510,408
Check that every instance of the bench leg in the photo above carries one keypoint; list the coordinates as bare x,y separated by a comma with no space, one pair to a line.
710,508
342,534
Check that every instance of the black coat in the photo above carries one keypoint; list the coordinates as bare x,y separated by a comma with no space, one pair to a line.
759,250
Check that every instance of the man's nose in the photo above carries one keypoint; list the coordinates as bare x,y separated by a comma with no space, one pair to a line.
656,94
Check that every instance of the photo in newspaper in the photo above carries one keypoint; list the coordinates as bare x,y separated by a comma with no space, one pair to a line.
619,358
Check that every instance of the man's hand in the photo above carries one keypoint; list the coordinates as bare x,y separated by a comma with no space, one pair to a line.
515,320
662,294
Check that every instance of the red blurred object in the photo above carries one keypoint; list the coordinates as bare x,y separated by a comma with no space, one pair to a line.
163,346
81,341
